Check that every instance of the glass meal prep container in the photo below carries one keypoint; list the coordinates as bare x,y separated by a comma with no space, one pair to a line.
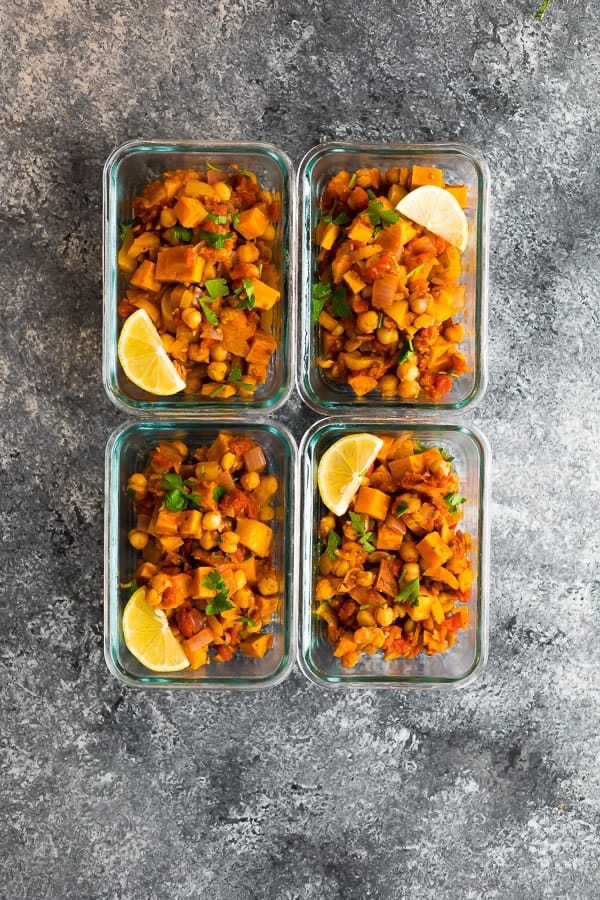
462,663
127,171
128,451
461,165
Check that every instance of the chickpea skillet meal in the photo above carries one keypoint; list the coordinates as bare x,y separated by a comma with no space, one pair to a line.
205,585
202,284
387,294
394,567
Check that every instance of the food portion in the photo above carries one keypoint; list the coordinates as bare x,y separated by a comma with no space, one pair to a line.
394,571
200,257
205,585
387,293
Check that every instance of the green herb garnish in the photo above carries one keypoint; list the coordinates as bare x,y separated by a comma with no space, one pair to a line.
319,295
218,220
215,240
380,320
410,591
130,586
445,455
453,501
179,233
235,220
381,216
246,621
333,542
246,172
235,378
542,9
217,287
401,508
339,305
209,314
414,271
218,493
125,228
420,447
214,168
176,497
214,582
365,537
249,300
407,351
352,181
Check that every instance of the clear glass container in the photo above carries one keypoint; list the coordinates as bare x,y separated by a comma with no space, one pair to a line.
461,664
127,170
127,451
461,165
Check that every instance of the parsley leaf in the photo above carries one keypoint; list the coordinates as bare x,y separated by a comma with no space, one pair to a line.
175,501
214,240
410,591
365,537
179,233
381,216
352,181
319,294
131,494
218,493
342,219
217,287
125,228
214,582
339,305
235,376
333,542
380,320
246,620
420,447
246,172
249,300
218,220
171,481
445,455
407,351
453,501
130,586
214,168
209,314
235,220
401,508
542,9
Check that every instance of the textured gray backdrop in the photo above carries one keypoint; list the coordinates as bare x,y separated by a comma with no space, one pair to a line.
299,793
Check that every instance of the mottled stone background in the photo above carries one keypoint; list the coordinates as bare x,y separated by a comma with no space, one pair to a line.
299,793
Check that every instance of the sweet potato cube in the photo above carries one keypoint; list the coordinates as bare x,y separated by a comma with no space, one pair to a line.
371,502
354,282
196,188
459,192
190,212
182,585
426,175
433,550
178,264
145,278
170,543
252,224
191,523
329,236
165,523
398,311
360,232
407,231
387,539
257,645
262,347
340,265
147,240
265,297
362,384
346,644
255,535
400,467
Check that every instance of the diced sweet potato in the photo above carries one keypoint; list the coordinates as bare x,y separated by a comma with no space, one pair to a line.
265,297
388,539
371,502
360,231
433,550
354,282
262,347
190,212
257,645
147,240
145,278
362,384
255,535
426,175
165,522
252,223
199,591
459,192
329,236
191,523
179,264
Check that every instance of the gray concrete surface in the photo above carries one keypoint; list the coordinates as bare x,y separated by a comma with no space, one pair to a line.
300,793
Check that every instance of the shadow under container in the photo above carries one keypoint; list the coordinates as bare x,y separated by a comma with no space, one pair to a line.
128,451
461,164
459,665
126,172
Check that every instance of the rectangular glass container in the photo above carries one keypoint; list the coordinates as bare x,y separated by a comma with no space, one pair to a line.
127,170
461,664
127,451
461,165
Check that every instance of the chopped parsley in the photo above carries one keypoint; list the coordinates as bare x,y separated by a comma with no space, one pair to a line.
246,620
214,168
352,181
214,582
176,497
333,542
414,271
215,240
217,219
365,537
209,314
407,351
179,233
453,501
319,295
342,219
235,376
420,446
445,455
217,287
401,508
379,215
130,586
247,301
409,592
235,220
125,228
218,493
246,172
339,305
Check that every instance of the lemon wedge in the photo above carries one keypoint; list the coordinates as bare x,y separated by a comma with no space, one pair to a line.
342,468
148,636
437,211
144,359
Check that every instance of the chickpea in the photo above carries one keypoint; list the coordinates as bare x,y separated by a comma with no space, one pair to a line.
250,480
181,448
409,552
411,571
388,385
267,586
208,540
192,318
324,589
197,354
326,525
388,336
364,617
408,371
222,190
424,321
218,353
418,305
366,322
167,218
138,539
217,371
269,233
228,460
139,485
455,333
229,542
440,468
212,521
340,568
266,513
326,564
384,616
349,532
365,579
248,253
243,598
409,390
269,484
